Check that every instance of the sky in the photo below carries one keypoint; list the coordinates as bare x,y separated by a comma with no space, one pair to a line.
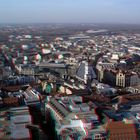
70,11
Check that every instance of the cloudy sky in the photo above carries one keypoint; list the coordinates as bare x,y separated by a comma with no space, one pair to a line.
70,11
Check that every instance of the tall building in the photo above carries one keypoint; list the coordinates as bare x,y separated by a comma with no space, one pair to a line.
119,78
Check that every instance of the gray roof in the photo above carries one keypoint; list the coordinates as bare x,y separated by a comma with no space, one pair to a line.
82,71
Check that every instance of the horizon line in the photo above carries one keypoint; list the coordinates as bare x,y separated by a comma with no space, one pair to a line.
92,23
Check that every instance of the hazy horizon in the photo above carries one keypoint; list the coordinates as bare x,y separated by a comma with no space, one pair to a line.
70,12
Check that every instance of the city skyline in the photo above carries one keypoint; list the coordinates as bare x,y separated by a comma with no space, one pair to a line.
70,11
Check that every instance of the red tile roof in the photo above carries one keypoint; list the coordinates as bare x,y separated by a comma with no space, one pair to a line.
121,131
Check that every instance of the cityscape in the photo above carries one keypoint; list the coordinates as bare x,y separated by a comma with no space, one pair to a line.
69,80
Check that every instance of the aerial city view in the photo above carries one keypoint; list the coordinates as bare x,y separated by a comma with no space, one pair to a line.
70,70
